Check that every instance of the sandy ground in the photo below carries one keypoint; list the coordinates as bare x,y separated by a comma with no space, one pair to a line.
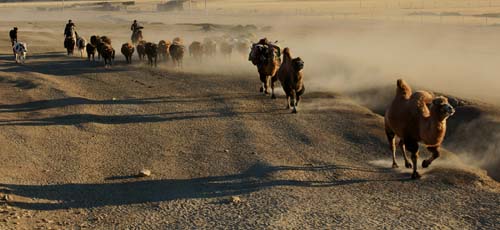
74,136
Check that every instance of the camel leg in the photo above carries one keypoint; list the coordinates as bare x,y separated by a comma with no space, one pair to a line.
287,101
272,90
412,146
435,154
293,101
273,80
266,85
263,79
403,150
391,138
299,96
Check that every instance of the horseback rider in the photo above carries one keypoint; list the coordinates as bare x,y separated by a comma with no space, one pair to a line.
70,27
13,35
136,32
135,26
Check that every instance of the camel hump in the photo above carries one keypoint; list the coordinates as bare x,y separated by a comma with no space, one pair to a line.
286,51
403,88
401,83
287,54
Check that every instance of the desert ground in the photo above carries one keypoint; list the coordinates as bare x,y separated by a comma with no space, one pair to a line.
74,135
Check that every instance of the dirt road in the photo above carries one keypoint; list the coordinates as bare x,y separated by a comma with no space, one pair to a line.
74,136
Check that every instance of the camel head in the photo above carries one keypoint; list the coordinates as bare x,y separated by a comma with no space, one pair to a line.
256,53
94,39
177,40
441,108
297,64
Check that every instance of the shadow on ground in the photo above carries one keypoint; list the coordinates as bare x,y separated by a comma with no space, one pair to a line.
72,101
135,190
61,65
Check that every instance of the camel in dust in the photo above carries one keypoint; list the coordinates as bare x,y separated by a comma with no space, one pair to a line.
416,117
266,57
291,77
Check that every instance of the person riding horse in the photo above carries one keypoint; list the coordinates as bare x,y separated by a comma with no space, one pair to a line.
69,29
70,37
13,36
136,31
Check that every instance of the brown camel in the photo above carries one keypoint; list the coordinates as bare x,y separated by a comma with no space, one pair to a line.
291,78
416,117
266,57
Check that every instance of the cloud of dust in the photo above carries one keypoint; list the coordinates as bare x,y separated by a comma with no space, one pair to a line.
358,58
364,59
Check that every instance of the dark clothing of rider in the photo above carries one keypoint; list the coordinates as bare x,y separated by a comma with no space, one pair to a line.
135,26
69,27
13,36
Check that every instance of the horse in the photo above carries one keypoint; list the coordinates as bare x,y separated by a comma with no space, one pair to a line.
70,41
20,49
136,36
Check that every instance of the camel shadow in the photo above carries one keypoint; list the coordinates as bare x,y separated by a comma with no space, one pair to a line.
72,101
19,83
7,57
221,111
134,190
58,64
79,119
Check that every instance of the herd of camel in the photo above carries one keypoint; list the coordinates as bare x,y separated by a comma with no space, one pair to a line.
263,54
163,50
414,117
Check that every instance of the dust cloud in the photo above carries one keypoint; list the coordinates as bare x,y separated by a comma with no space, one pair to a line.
359,58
